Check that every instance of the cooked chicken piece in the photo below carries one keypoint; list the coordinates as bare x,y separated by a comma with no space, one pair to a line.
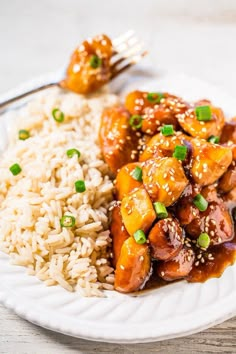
162,146
128,178
202,129
118,233
117,140
178,267
133,267
210,161
185,210
154,118
136,102
229,132
137,211
166,239
156,109
164,179
89,67
215,220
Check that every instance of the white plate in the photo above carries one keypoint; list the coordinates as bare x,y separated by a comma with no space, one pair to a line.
175,310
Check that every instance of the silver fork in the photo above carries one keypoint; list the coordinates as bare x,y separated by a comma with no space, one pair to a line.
128,50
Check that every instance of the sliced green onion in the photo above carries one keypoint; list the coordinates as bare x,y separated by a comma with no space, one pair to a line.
203,240
140,237
167,130
15,169
160,209
71,152
203,113
58,115
136,121
67,221
95,61
80,186
137,174
180,152
214,139
23,134
155,97
200,202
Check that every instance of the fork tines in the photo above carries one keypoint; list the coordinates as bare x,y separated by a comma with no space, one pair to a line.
128,50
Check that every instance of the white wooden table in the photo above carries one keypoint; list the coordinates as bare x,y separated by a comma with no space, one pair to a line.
198,39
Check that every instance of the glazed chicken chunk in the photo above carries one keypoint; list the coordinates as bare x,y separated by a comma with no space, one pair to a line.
89,68
164,179
117,140
210,161
195,125
133,266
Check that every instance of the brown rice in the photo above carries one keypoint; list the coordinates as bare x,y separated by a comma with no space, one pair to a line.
33,202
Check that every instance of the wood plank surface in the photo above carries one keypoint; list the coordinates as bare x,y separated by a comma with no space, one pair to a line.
21,337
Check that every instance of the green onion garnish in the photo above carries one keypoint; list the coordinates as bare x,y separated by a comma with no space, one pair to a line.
155,97
58,115
71,152
200,202
203,240
140,237
160,209
95,61
203,113
180,152
167,130
23,134
67,221
80,186
214,139
136,121
137,174
15,169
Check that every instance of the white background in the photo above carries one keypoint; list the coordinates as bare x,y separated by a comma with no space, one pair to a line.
183,36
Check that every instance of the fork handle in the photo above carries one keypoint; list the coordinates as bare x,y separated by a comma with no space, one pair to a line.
5,103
